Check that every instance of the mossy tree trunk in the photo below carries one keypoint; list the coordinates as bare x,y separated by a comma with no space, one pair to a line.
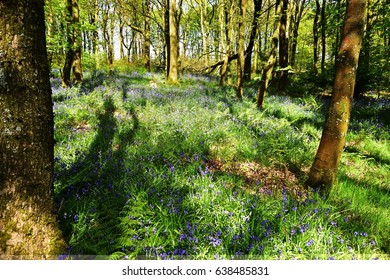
269,66
28,222
324,169
74,46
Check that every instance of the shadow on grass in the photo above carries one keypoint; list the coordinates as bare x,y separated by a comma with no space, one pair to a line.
89,195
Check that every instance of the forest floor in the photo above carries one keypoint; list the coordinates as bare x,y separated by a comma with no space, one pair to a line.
148,170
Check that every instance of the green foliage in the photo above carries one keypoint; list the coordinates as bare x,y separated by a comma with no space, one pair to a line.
142,171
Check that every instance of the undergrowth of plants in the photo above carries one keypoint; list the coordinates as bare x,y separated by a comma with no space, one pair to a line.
146,170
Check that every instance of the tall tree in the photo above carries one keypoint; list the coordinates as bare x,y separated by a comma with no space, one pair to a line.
324,169
28,222
73,54
299,6
248,57
269,66
229,13
315,37
241,50
323,36
283,46
173,73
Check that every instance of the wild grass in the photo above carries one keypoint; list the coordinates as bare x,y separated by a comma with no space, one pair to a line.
188,172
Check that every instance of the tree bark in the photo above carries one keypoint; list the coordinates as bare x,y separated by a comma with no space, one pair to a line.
74,46
146,43
324,169
283,47
167,37
315,38
229,13
28,222
241,51
269,66
248,57
204,29
323,36
173,75
299,8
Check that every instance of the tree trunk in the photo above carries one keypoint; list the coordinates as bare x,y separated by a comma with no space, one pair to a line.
167,37
248,57
269,66
146,43
95,34
121,39
315,38
363,74
283,47
241,50
110,41
324,169
73,55
299,8
173,77
28,222
204,29
323,36
229,13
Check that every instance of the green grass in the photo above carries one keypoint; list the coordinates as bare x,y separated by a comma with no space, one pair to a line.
189,172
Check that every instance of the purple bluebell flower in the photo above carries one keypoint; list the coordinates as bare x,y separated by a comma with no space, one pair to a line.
310,242
215,241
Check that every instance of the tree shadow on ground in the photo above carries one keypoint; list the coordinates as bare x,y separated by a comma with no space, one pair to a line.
90,194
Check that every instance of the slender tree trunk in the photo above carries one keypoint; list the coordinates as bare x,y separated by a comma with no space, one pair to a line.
339,19
121,39
241,50
323,36
167,37
324,169
173,75
28,222
315,38
299,8
95,34
110,41
77,43
267,27
256,49
283,47
363,74
204,31
73,56
269,66
248,57
146,44
229,13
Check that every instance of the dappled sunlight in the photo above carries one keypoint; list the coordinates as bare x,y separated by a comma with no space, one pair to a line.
179,172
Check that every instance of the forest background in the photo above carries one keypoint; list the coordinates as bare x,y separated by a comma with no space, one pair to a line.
166,145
